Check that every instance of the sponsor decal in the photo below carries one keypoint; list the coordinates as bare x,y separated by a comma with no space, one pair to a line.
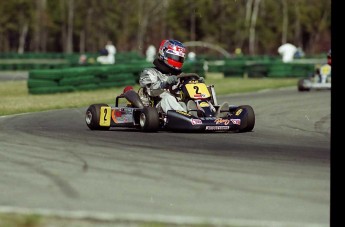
238,112
236,121
118,113
218,127
222,121
183,113
193,82
204,104
121,116
207,118
200,96
196,121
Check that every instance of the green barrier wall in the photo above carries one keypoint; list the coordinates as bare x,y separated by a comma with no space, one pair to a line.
266,68
80,78
47,81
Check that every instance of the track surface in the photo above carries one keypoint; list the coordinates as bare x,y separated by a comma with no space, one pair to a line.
277,175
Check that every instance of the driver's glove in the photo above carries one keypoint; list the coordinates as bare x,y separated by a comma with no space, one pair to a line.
172,80
201,79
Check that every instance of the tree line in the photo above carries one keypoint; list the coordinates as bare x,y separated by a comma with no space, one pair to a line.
78,26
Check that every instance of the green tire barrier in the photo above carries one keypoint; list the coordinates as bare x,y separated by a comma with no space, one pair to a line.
234,68
82,78
79,80
194,67
290,70
50,74
257,70
37,83
266,68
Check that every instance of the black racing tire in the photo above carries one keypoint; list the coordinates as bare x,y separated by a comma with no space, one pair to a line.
92,116
248,122
149,119
300,85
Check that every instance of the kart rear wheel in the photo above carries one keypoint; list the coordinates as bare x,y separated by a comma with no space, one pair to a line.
300,85
92,117
149,119
248,122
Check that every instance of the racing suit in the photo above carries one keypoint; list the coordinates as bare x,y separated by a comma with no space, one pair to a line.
157,84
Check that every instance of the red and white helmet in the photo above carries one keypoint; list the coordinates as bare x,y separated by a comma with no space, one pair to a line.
172,53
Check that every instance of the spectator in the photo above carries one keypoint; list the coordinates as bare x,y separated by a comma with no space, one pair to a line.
82,59
107,54
238,52
299,53
150,53
191,56
287,51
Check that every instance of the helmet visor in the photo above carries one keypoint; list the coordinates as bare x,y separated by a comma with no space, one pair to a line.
175,57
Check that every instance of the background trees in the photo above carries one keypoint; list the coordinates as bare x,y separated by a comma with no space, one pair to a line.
255,26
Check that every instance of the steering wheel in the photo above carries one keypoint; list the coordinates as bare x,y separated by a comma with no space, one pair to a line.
185,75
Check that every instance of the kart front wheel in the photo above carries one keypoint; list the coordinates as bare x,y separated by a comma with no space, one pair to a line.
149,119
301,85
248,121
92,117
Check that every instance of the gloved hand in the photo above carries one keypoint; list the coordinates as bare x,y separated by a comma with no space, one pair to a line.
172,80
201,79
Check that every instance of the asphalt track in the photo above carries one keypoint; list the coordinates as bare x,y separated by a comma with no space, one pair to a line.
277,175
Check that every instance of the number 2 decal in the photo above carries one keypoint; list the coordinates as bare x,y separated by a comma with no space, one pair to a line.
196,90
105,115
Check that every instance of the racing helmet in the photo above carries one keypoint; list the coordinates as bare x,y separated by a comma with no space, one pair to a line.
329,57
172,53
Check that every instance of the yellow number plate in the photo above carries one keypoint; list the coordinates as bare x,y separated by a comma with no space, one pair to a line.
325,70
105,115
198,90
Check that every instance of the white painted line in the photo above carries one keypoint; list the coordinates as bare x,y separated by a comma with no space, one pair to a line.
177,220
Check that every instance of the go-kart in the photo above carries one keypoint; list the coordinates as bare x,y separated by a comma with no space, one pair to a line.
320,80
136,113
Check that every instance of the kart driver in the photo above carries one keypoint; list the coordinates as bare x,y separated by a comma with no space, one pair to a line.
157,80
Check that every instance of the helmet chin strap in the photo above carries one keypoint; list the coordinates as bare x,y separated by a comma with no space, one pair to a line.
161,66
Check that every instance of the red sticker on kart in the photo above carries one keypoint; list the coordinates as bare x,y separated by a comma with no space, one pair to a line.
236,121
196,121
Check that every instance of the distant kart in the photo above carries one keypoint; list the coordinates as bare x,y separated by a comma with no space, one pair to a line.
321,80
148,118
